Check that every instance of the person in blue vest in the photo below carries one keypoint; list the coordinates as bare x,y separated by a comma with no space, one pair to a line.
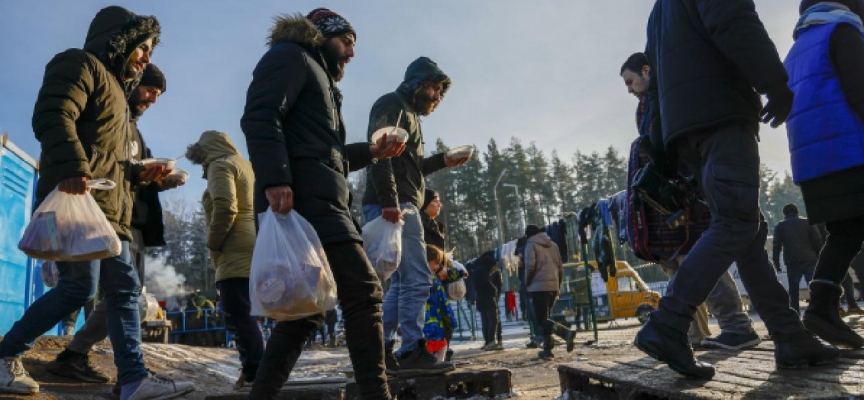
826,139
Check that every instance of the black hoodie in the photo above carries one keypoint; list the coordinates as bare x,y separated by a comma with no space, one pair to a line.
402,179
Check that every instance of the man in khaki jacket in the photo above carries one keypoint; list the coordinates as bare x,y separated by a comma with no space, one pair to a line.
228,209
544,276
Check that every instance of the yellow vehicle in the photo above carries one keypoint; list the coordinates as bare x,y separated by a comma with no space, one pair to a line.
624,296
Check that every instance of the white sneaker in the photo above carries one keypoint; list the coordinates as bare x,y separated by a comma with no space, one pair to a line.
14,378
157,387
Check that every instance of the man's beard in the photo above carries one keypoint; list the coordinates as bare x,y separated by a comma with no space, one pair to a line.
424,105
337,70
136,107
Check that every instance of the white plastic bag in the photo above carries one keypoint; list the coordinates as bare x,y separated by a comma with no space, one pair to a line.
290,277
50,274
382,242
69,227
456,291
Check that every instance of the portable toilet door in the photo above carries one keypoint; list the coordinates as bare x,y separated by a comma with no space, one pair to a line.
18,283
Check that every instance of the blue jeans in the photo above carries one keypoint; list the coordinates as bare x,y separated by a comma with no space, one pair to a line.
405,301
77,284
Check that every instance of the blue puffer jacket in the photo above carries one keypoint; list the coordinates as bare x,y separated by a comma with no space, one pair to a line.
825,134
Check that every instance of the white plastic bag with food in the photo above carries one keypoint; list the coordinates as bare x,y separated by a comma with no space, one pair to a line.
68,227
290,277
50,274
456,291
382,242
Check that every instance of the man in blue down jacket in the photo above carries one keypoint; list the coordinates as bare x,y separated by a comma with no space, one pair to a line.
296,140
710,60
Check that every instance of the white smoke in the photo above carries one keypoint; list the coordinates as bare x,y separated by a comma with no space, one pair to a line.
162,280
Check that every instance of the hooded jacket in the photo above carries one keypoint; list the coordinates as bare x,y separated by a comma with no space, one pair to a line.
295,133
710,60
487,281
228,206
401,179
81,117
146,209
543,264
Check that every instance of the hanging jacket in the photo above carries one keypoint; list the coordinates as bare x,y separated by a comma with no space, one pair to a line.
601,241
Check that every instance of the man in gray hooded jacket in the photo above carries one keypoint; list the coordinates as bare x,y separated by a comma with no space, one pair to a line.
544,274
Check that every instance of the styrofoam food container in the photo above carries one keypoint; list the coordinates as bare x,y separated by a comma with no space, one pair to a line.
168,163
461,152
400,134
178,174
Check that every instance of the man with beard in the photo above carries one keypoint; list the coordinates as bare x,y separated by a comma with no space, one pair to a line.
81,121
296,141
707,113
147,230
395,190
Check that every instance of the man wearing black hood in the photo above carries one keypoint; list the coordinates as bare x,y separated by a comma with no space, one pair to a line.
395,190
710,60
81,119
296,140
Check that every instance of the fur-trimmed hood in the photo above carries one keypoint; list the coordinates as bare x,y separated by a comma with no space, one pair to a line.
115,32
294,28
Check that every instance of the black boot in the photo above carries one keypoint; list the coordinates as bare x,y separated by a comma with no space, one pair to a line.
567,334
673,348
801,350
392,365
546,353
823,316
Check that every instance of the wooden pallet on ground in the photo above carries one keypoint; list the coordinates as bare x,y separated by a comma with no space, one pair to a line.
747,374
315,389
462,383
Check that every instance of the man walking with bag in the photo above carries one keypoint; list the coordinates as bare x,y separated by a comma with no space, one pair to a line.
296,140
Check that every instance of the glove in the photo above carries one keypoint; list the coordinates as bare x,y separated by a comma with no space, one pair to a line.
778,107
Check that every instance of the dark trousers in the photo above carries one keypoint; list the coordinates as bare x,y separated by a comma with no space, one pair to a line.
840,248
794,272
543,303
491,322
725,162
360,297
234,301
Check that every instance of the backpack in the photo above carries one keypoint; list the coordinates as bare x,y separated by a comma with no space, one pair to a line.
660,226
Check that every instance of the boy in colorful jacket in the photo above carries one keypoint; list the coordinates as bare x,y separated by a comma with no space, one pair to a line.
440,319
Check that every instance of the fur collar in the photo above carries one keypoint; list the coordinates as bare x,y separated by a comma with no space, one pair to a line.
294,28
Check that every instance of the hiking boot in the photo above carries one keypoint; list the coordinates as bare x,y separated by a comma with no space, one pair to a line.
494,347
14,378
568,335
545,355
419,361
160,387
801,350
77,366
823,317
390,362
732,341
673,348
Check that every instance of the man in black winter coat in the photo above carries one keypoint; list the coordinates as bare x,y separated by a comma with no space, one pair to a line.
487,283
710,61
296,139
799,242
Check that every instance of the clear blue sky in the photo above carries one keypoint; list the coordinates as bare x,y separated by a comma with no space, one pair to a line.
545,71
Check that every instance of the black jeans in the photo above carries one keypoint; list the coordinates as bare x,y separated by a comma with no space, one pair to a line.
234,301
543,303
491,324
840,248
725,162
360,297
794,272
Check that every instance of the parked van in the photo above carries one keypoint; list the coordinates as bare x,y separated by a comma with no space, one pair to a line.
623,296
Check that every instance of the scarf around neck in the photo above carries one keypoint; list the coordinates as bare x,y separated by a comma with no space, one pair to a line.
827,12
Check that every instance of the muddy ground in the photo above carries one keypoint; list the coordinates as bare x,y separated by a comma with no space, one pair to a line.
214,370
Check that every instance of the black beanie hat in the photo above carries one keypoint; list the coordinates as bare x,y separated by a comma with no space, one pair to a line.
329,23
152,76
532,230
428,197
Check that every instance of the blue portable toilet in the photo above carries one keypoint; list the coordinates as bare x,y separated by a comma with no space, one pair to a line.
20,276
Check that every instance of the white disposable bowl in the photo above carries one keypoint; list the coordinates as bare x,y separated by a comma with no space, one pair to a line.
179,175
400,134
167,163
461,152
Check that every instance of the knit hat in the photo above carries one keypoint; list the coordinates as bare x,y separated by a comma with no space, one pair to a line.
428,197
532,230
329,23
152,76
